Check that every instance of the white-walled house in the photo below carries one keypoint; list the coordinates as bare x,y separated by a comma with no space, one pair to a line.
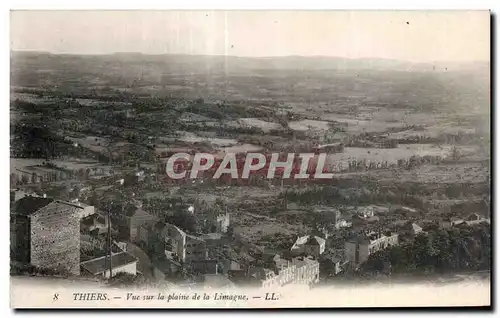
121,262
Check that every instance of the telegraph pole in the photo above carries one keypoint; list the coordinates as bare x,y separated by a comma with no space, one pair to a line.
110,245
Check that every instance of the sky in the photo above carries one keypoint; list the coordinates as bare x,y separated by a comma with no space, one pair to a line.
418,36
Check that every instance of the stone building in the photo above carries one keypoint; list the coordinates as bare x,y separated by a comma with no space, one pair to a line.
307,271
309,245
221,223
18,194
96,222
476,218
298,270
409,231
169,240
134,179
133,217
46,233
211,219
358,249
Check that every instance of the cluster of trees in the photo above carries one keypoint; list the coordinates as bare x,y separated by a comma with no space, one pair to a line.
57,174
383,143
362,165
123,279
182,219
439,251
54,108
227,111
459,138
174,211
278,241
415,161
118,96
414,195
332,194
36,271
32,140
92,248
158,206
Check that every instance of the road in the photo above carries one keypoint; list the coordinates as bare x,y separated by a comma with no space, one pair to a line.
144,264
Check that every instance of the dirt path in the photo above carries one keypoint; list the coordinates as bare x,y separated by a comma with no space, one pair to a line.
144,264
259,216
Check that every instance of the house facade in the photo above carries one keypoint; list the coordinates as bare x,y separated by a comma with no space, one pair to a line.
122,262
173,242
133,218
299,270
46,233
358,250
309,245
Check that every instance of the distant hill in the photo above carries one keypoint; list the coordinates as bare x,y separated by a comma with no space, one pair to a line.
291,79
232,64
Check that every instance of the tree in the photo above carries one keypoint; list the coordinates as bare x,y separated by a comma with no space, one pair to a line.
455,153
183,219
455,249
25,179
126,279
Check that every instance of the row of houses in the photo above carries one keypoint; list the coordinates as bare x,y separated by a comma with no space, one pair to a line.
359,248
44,229
474,218
302,270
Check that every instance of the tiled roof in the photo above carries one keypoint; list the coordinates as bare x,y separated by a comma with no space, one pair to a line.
309,239
416,227
29,205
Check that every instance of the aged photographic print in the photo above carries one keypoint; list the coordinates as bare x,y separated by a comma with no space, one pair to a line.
250,159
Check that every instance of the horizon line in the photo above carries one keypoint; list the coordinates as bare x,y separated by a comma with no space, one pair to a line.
248,57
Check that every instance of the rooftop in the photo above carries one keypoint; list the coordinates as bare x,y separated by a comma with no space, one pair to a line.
132,210
369,237
309,239
474,216
416,227
303,261
194,237
212,236
100,265
29,205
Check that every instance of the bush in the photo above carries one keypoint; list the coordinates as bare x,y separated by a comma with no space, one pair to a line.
37,271
126,279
